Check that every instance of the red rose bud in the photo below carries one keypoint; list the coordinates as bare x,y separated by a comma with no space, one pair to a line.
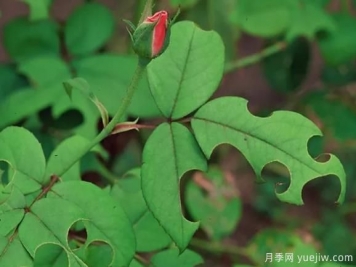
151,37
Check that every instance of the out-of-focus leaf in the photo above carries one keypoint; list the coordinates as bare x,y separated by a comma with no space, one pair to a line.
10,80
214,15
88,28
339,47
307,20
263,18
38,8
26,102
44,71
322,104
340,75
183,3
286,70
24,39
218,207
83,86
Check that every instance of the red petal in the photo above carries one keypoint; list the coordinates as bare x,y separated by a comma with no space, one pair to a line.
159,33
155,17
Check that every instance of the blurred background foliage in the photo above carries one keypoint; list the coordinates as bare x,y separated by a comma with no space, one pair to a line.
297,55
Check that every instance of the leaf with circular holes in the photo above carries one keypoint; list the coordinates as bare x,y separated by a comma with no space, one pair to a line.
186,75
48,223
20,149
106,220
170,152
282,137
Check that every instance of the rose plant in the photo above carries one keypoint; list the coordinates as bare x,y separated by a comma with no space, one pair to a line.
49,216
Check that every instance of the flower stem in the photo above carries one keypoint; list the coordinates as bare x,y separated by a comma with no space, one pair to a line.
117,117
255,58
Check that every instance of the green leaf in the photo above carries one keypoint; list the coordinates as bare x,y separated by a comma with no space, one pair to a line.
38,8
83,86
161,173
11,199
48,223
149,234
9,220
41,75
288,69
109,76
135,263
26,102
263,18
173,258
88,28
282,137
307,20
188,72
89,126
215,15
13,254
23,153
321,104
338,47
183,3
107,221
339,75
65,153
282,244
98,256
50,255
24,39
217,207
10,80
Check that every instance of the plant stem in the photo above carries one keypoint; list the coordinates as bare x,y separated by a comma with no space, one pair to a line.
117,117
255,58
215,247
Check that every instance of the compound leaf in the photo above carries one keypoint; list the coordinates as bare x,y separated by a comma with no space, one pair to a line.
282,137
